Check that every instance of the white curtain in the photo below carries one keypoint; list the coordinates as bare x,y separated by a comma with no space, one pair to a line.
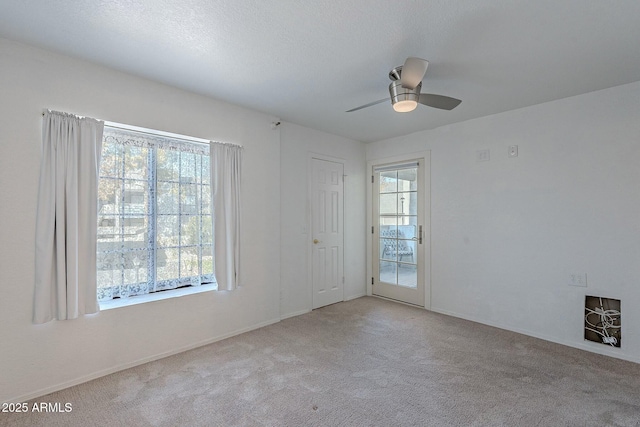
226,171
66,222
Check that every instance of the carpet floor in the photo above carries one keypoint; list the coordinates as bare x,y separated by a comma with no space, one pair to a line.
366,362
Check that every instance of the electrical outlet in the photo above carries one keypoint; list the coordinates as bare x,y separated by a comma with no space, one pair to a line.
513,151
578,279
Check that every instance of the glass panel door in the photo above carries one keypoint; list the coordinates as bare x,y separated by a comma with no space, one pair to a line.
397,239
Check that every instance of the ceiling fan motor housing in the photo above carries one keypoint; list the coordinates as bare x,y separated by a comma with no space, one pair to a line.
402,98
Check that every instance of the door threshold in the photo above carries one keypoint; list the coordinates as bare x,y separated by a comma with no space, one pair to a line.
398,301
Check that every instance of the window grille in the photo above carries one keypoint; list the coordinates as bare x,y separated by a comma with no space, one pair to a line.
154,214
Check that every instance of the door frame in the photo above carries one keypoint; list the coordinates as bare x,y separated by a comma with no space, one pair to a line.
309,229
425,158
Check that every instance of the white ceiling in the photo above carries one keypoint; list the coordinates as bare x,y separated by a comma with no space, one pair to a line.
308,62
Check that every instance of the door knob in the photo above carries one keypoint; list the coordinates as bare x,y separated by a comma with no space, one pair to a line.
316,241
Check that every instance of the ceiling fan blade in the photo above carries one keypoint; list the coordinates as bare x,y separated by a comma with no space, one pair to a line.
367,105
413,71
438,101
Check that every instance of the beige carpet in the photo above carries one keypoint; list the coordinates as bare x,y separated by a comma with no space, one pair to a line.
366,362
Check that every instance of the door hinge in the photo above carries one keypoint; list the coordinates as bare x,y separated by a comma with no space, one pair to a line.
372,229
343,280
372,280
372,179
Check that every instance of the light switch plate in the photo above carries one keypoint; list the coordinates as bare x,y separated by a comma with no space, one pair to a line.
482,155
577,279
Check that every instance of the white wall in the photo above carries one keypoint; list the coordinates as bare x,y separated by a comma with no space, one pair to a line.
506,233
297,144
38,359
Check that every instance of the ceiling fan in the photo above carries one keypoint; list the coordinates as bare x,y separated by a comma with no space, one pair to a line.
406,82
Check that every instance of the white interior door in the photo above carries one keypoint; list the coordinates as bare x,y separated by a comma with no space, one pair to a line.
327,212
398,232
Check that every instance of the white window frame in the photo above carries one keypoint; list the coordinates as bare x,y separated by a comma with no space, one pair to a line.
168,293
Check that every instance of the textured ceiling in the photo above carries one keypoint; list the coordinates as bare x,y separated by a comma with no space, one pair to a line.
308,62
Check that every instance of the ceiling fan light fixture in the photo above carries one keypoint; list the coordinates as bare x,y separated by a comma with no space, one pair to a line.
403,99
405,106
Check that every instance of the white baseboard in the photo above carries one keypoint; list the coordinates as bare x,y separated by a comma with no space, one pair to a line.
349,298
294,314
121,367
587,346
308,310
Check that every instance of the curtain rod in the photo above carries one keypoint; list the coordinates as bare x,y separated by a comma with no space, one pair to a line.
154,132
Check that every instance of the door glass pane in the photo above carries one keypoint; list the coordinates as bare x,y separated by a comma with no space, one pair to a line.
388,182
388,249
407,203
408,275
388,226
388,204
407,227
388,272
408,179
406,250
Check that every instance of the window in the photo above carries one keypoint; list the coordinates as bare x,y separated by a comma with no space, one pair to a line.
154,214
